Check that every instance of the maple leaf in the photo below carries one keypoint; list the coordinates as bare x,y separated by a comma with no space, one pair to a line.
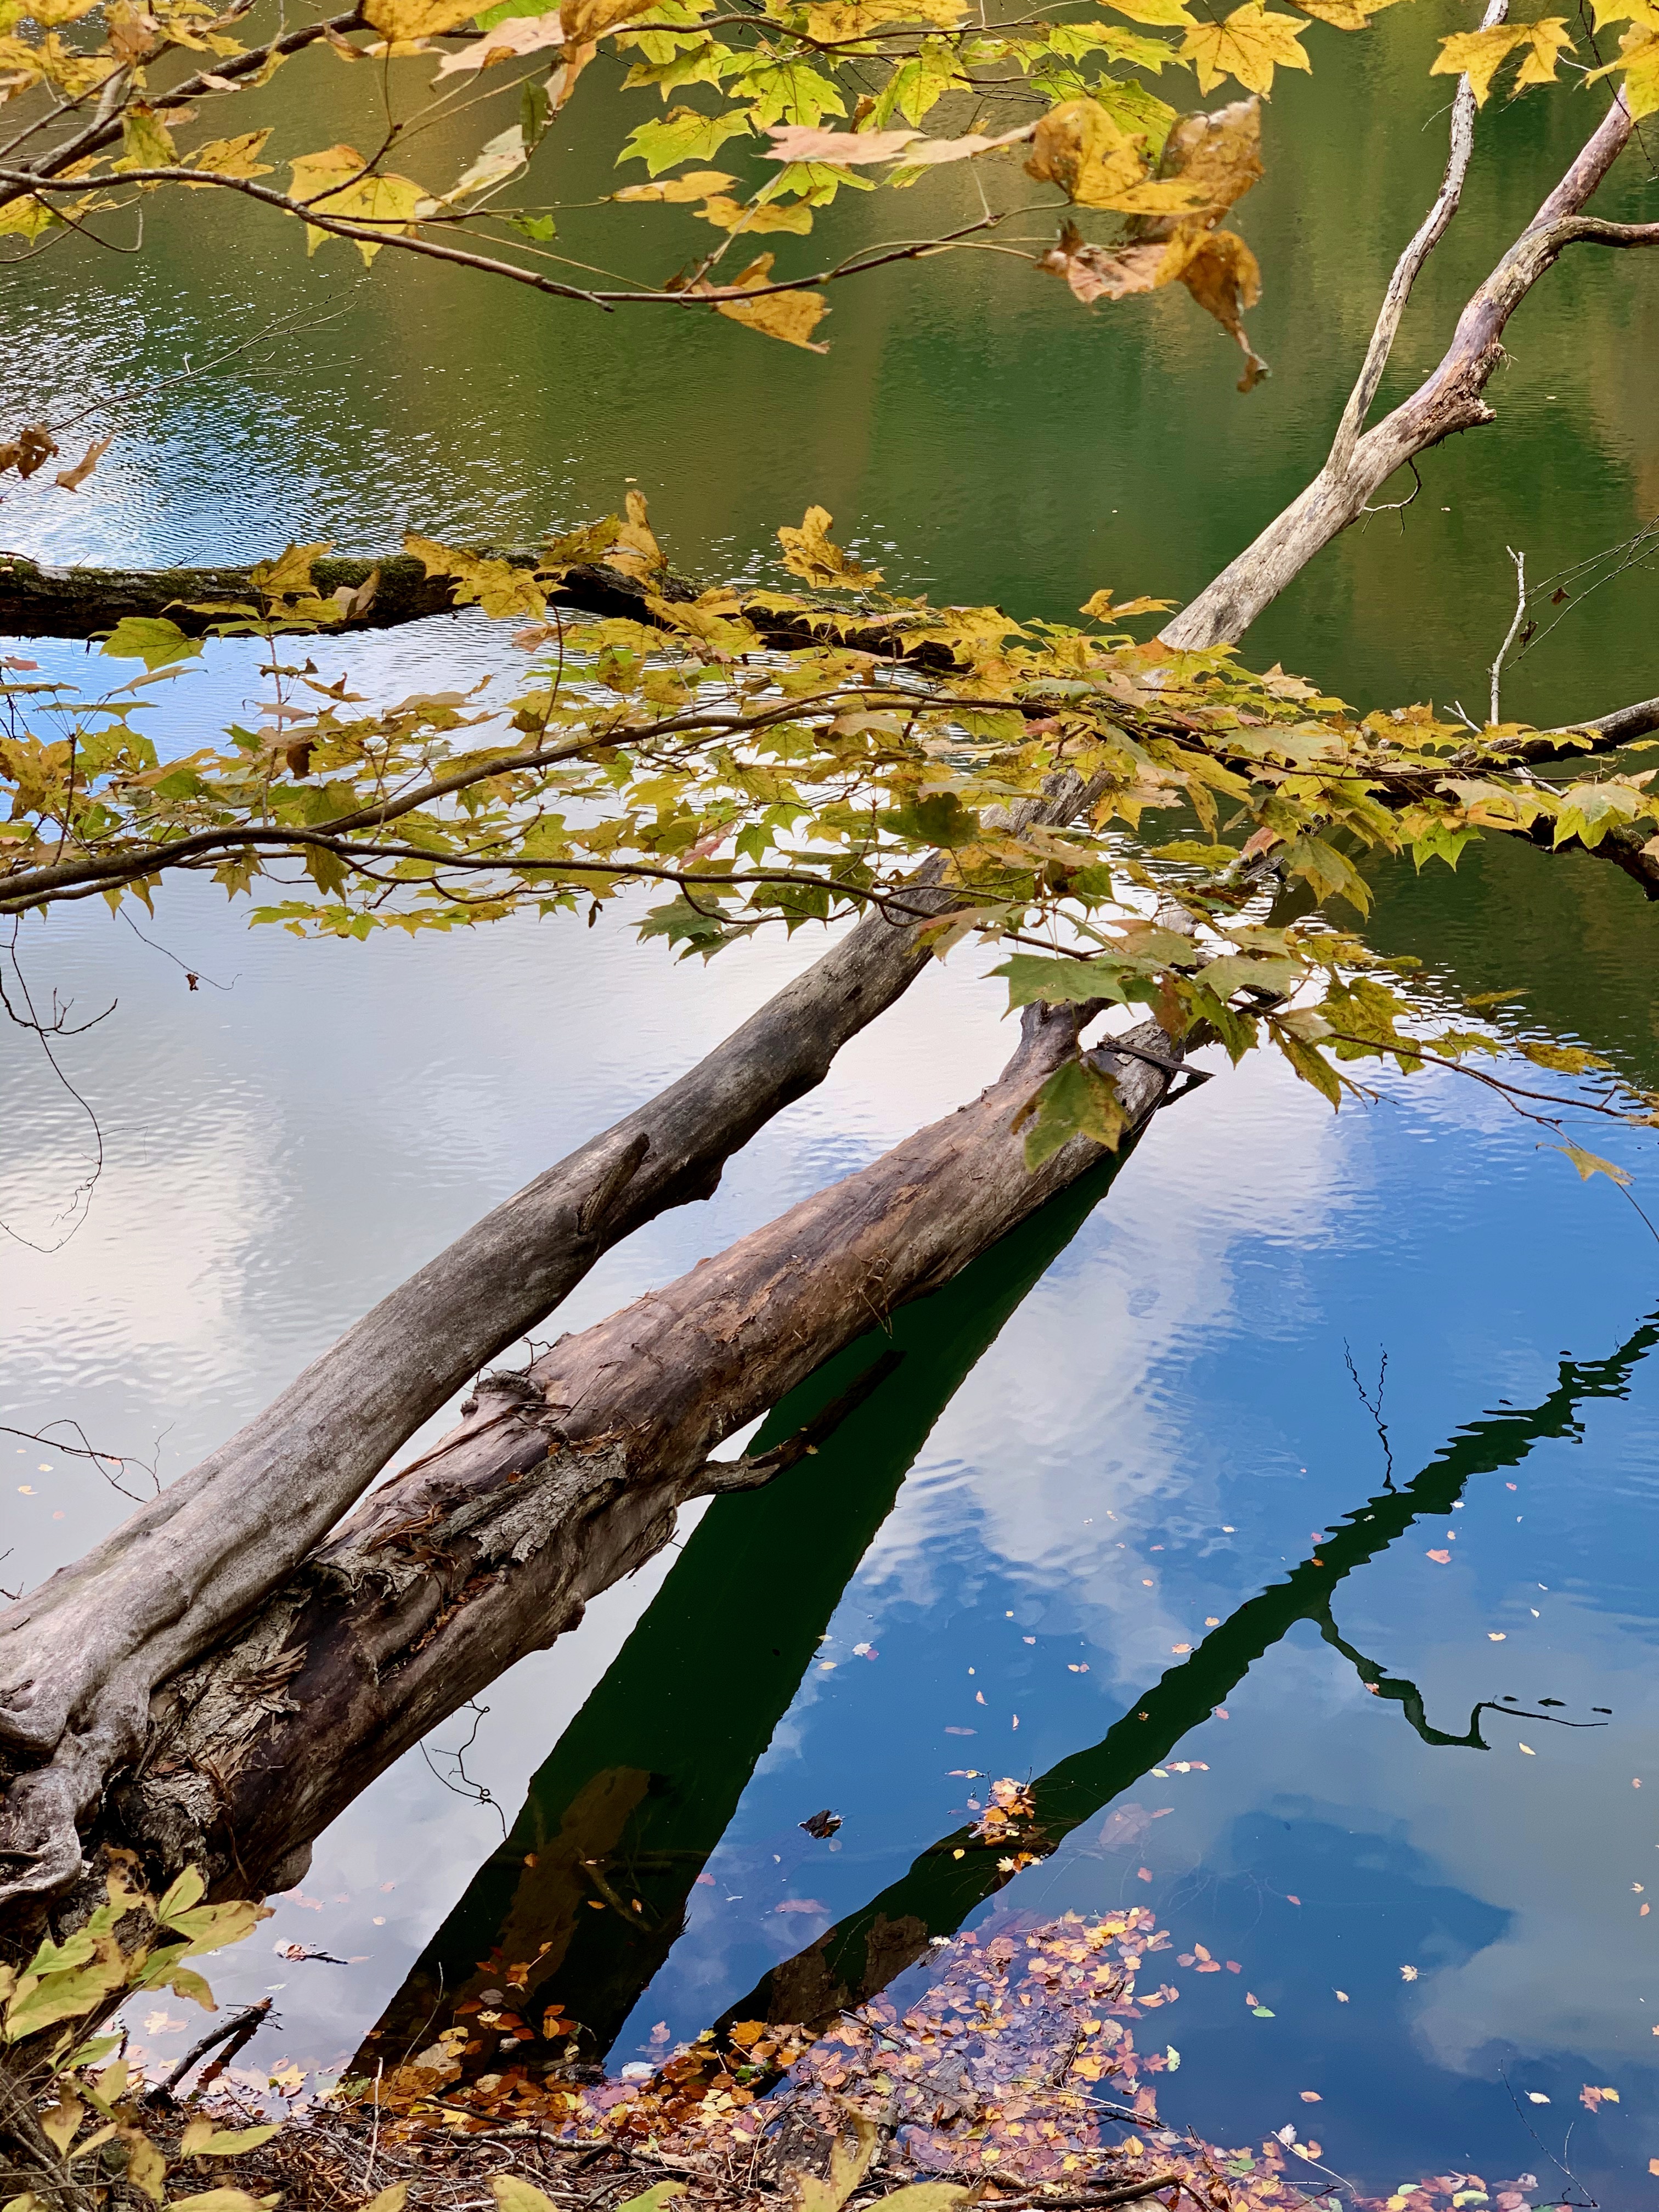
1480,54
1092,159
727,214
683,135
1250,45
695,185
808,553
232,157
417,19
1639,50
386,201
790,316
1224,276
1590,1164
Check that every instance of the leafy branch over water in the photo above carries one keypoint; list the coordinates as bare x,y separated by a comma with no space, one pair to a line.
776,756
106,91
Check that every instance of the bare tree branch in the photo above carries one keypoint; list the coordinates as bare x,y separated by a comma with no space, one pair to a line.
1410,264
391,232
1449,400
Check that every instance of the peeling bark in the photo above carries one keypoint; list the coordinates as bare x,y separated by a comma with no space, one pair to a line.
565,1477
80,1657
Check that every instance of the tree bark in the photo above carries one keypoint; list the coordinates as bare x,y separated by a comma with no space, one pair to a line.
80,1656
563,1479
39,600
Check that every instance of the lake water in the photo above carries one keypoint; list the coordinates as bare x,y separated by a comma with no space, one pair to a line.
1128,1465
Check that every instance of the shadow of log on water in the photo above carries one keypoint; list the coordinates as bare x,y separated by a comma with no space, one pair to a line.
641,1788
635,1797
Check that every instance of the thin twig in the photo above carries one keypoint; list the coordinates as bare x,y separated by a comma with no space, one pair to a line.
1520,561
1406,269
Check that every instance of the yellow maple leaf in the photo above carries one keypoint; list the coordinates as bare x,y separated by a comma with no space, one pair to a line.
1250,45
1549,35
696,184
1639,51
634,549
232,157
791,316
835,21
1479,55
387,202
1167,13
807,552
1078,147
1341,15
398,20
726,214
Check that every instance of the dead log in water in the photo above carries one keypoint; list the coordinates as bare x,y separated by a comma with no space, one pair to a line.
567,1477
81,1656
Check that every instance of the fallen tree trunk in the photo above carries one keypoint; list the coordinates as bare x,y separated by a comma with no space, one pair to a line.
80,1657
38,599
565,1477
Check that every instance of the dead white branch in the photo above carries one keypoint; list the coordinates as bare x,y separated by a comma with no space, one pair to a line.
1449,400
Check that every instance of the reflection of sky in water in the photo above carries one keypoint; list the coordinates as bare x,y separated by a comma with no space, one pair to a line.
281,1151
1508,1881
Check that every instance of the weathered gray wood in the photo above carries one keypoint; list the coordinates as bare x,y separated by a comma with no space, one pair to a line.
80,1656
563,1479
1449,400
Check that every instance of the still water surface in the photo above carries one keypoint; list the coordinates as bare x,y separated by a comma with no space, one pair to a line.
1128,1464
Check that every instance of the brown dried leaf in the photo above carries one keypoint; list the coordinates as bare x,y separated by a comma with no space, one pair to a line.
131,33
1218,155
584,20
1224,278
72,479
35,446
1104,272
